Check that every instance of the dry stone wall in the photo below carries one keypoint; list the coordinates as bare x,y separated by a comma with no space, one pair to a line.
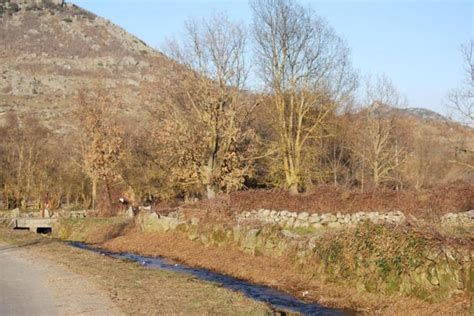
462,219
414,268
288,219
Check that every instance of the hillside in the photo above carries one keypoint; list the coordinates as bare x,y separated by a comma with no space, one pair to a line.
49,51
423,114
420,114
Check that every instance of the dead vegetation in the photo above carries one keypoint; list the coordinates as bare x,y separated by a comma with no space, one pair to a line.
186,126
279,273
426,204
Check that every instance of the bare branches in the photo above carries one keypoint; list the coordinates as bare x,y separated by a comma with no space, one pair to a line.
462,98
376,144
306,68
204,127
462,101
215,49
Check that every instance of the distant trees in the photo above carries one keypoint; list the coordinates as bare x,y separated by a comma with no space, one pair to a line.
336,153
203,129
306,69
23,156
208,133
35,165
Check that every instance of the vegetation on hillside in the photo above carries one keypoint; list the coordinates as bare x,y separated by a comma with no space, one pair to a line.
206,132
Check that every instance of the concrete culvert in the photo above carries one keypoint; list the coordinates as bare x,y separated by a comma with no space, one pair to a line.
44,230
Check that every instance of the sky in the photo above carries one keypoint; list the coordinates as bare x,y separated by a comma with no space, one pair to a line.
414,42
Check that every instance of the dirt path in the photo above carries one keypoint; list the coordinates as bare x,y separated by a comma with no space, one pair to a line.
79,282
30,285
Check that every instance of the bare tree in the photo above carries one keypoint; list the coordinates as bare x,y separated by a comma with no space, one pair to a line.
306,68
462,98
336,153
462,101
376,144
203,130
23,160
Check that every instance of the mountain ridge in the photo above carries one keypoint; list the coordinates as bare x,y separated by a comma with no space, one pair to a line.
51,51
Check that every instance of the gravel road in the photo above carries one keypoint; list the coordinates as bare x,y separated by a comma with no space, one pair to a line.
34,286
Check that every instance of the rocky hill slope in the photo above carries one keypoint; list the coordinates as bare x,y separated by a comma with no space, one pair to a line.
423,114
420,114
49,51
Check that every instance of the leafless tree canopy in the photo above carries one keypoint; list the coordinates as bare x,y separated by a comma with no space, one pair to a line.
462,98
209,131
214,48
306,69
204,123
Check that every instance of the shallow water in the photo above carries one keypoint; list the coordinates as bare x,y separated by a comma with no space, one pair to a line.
279,301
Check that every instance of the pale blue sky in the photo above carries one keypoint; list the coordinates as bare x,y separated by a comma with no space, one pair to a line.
414,42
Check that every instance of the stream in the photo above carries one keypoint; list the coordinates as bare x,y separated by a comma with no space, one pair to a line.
280,302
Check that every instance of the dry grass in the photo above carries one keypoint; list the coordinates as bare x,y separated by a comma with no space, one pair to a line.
278,273
137,290
427,204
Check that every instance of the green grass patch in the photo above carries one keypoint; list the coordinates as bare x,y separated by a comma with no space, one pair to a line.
90,230
303,231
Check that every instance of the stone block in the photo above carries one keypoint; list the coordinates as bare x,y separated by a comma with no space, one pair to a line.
314,218
303,216
317,225
328,218
290,222
250,240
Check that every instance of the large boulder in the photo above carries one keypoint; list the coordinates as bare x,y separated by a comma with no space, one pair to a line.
152,222
249,241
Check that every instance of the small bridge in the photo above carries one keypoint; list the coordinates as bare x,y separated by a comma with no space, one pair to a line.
36,225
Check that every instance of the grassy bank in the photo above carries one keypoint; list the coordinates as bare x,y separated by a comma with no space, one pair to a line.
280,273
121,235
90,230
137,290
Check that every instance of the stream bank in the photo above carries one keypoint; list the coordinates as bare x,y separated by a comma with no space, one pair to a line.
319,268
280,303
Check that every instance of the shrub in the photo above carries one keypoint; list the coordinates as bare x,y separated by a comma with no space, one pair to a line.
13,8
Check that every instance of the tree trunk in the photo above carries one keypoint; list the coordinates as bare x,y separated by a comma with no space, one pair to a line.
211,191
294,189
362,177
109,197
94,193
68,198
6,201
